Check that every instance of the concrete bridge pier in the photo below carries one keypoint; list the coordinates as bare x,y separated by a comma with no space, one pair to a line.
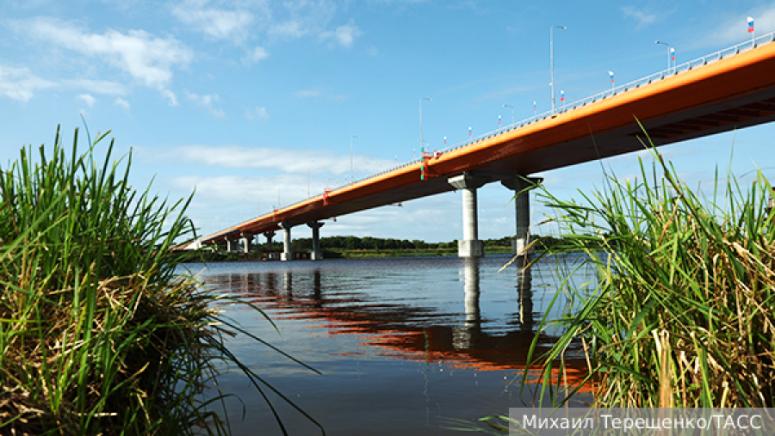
521,186
316,253
470,245
246,240
287,253
229,245
269,237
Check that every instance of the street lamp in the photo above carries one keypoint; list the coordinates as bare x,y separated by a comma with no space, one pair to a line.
670,51
611,78
551,61
422,138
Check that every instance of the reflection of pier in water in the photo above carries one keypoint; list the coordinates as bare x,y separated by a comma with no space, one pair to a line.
401,330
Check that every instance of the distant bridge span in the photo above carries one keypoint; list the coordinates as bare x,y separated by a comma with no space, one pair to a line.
728,89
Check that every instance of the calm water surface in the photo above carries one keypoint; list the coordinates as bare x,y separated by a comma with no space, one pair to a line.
406,346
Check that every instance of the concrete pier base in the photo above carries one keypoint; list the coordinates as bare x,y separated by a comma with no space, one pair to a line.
470,245
316,253
470,248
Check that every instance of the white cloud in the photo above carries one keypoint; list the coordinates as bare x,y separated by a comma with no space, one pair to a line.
207,101
283,160
257,113
87,99
287,29
215,22
20,83
343,35
104,87
244,22
261,190
122,103
640,16
145,57
257,54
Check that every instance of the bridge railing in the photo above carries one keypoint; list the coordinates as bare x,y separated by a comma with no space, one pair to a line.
611,92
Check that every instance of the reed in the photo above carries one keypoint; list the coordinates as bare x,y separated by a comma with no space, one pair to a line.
99,334
682,313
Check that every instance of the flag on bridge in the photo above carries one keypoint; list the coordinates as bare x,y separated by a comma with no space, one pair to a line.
672,54
750,25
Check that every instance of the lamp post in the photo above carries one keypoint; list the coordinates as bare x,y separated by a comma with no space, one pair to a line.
551,62
611,78
422,137
670,51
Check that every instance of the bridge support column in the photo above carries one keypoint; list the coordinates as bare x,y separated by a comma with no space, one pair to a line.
470,245
269,236
246,240
287,253
521,186
229,245
316,253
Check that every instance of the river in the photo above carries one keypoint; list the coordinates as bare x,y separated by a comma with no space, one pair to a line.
408,346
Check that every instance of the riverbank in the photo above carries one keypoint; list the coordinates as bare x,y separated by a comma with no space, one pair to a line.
351,247
211,256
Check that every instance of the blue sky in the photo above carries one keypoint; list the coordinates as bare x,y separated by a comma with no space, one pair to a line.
254,103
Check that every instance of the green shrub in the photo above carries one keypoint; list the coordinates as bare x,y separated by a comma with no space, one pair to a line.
98,332
683,310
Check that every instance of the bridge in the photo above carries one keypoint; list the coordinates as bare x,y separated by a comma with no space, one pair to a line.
725,90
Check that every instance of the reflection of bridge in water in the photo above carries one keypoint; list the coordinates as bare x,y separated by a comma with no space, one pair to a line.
402,330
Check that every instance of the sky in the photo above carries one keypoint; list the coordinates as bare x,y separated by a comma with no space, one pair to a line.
257,104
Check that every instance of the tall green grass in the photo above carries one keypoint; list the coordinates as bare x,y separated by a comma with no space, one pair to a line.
683,310
98,332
